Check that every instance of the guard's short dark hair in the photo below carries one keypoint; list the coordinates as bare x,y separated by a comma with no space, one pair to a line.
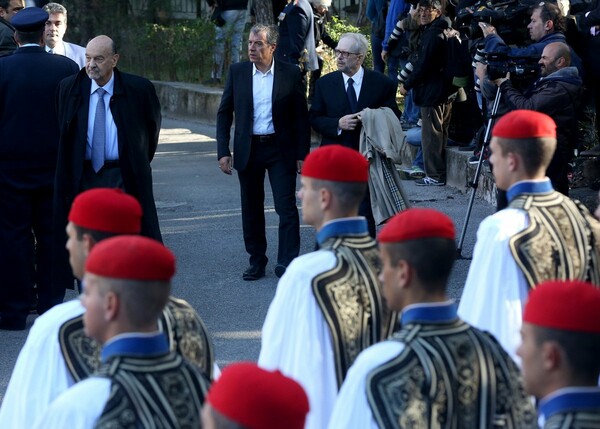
224,422
96,235
431,258
535,152
551,12
25,37
142,301
349,194
582,350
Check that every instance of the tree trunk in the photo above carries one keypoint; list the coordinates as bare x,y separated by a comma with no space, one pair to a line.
263,11
362,13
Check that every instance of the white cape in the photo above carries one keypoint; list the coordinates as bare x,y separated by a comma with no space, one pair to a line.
40,374
352,410
495,292
296,339
79,407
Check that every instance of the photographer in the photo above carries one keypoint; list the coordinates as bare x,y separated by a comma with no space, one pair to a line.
547,26
556,93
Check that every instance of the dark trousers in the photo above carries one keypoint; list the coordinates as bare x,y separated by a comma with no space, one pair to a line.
26,250
266,157
107,177
434,136
376,47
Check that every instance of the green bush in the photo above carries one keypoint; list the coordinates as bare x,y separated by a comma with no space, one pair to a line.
181,51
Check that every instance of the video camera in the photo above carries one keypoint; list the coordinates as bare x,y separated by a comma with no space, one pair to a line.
510,17
521,68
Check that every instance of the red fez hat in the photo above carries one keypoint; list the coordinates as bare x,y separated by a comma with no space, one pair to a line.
336,163
524,124
571,305
415,223
131,257
259,399
107,210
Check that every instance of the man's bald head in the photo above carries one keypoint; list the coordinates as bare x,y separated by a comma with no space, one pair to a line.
101,58
555,56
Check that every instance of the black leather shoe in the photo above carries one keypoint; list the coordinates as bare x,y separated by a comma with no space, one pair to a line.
280,270
253,272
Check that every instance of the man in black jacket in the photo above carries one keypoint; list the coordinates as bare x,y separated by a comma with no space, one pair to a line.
431,92
8,9
557,94
109,126
272,135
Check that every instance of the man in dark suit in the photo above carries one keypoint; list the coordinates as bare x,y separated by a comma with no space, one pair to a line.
340,97
332,112
8,9
296,36
28,146
271,134
109,126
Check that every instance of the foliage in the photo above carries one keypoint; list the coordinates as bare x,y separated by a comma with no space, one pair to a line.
153,45
181,51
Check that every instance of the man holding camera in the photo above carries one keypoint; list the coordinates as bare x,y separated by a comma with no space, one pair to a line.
556,93
547,26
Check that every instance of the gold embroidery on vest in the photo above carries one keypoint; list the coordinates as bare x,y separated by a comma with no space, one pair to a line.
185,332
350,300
560,241
448,375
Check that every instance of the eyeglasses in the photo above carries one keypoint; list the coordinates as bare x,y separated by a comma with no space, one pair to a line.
344,54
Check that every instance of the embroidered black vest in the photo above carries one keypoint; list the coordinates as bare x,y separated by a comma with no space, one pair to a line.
576,419
449,375
561,241
152,393
350,299
185,331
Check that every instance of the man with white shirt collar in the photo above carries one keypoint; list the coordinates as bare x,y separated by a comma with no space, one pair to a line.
560,348
340,96
56,26
541,235
336,106
272,135
110,122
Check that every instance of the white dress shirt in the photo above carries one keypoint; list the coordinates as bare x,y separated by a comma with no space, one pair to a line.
262,99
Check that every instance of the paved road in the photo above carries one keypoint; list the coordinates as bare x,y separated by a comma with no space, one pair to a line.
199,213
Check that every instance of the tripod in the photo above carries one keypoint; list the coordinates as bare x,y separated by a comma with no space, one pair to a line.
475,183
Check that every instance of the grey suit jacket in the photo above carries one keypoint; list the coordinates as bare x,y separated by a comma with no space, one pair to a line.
76,53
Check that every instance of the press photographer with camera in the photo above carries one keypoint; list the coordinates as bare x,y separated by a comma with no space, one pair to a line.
547,25
556,93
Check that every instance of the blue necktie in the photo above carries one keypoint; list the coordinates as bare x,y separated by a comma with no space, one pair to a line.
352,96
99,136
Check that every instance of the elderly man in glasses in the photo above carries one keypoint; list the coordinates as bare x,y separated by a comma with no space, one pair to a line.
340,97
